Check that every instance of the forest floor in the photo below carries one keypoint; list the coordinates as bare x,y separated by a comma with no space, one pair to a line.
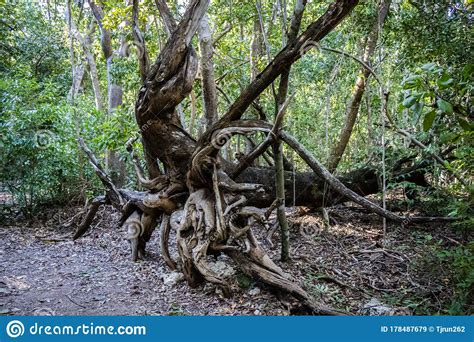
43,272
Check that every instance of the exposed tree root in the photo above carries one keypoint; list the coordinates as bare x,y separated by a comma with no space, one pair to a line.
217,221
164,241
259,266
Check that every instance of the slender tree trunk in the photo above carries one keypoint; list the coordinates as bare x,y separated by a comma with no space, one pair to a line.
115,166
139,42
78,73
352,109
280,196
93,74
77,78
278,148
255,49
207,72
85,43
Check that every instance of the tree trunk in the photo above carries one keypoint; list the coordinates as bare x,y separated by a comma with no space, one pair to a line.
207,72
352,109
114,164
77,77
277,147
139,42
280,197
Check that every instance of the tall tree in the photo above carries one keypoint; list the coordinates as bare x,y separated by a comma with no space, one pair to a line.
277,147
353,106
114,91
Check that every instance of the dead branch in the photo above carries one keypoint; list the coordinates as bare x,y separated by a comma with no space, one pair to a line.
113,193
91,212
335,183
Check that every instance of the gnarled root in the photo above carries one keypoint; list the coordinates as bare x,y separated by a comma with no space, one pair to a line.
218,221
194,237
164,241
258,265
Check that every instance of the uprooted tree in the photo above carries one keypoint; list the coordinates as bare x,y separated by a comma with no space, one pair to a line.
221,201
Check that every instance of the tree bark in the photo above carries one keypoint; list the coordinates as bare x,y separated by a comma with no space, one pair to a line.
209,93
139,42
77,77
277,147
280,197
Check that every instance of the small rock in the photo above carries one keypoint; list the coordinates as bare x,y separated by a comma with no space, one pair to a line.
255,291
172,278
256,312
375,308
222,268
4,291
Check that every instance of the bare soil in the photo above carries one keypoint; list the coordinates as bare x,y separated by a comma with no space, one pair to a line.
347,265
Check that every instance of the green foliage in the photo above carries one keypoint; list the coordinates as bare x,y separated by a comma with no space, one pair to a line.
41,163
37,155
433,92
461,261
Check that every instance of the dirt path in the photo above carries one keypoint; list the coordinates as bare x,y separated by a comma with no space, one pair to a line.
343,265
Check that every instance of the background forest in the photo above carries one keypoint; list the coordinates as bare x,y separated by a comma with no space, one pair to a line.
59,83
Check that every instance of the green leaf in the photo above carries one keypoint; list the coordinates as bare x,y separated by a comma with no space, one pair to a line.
412,82
467,70
409,101
445,106
466,126
429,119
448,137
417,111
445,81
428,66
